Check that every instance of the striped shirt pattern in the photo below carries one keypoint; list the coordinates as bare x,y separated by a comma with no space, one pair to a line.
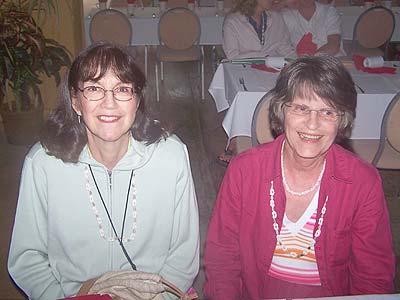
297,237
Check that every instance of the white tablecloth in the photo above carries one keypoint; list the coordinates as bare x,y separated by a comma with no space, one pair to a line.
145,25
229,94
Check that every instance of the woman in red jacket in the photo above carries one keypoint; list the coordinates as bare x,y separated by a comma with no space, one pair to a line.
301,216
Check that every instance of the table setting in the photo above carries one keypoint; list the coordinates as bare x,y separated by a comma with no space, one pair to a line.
211,21
238,87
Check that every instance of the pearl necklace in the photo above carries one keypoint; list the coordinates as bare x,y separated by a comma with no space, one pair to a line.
276,227
97,215
263,28
289,190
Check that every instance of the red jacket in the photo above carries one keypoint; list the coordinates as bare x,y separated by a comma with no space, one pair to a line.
354,251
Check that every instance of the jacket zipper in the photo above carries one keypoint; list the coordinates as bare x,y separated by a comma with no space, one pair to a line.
109,179
110,245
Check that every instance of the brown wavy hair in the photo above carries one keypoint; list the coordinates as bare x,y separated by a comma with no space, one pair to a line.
62,135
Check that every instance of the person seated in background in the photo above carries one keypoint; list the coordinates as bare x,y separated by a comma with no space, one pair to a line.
87,203
314,28
301,217
253,29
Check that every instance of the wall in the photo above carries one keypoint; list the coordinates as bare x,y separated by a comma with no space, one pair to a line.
67,29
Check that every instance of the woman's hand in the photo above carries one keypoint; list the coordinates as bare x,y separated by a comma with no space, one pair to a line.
86,286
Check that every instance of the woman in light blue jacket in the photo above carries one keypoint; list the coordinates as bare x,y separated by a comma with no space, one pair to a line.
106,188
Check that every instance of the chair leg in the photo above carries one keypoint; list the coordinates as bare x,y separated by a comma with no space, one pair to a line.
162,71
157,87
202,73
202,80
145,61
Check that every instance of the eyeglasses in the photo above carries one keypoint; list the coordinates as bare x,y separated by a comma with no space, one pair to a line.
326,114
96,93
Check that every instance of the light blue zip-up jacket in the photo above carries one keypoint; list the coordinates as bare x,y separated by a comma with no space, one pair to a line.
56,243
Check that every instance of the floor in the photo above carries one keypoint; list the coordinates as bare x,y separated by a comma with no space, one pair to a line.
197,123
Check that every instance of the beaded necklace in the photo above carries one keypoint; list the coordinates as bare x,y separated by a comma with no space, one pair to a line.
276,227
289,190
132,188
261,34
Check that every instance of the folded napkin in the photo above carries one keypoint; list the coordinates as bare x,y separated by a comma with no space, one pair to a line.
277,62
306,46
258,61
90,297
264,68
359,63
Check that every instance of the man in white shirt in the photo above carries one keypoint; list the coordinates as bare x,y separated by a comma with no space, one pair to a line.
321,21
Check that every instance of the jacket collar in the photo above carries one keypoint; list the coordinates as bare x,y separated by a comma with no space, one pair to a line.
137,156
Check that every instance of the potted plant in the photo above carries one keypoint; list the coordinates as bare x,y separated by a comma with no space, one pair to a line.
25,54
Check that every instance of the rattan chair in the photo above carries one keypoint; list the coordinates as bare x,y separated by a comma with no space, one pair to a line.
110,25
113,26
260,126
385,152
372,32
179,36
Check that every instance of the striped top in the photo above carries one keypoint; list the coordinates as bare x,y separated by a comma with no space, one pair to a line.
297,236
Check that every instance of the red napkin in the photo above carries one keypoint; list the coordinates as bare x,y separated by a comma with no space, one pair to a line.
359,63
90,297
264,68
306,46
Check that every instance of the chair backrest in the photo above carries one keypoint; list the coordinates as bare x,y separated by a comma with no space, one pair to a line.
177,3
374,27
179,28
390,129
110,25
260,126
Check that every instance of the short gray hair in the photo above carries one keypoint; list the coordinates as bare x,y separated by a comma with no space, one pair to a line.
326,77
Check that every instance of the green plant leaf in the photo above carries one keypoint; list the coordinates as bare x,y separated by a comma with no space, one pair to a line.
25,53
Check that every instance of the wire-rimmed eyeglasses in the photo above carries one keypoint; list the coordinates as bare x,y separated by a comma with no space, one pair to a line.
326,114
96,93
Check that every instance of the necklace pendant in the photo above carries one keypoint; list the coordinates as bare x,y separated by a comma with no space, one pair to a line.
276,228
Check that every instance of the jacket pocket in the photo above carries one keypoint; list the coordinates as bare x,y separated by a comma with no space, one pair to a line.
340,247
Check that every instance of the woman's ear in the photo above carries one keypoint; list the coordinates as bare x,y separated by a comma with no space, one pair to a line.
76,105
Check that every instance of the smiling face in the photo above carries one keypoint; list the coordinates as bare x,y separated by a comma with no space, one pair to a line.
309,136
107,120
